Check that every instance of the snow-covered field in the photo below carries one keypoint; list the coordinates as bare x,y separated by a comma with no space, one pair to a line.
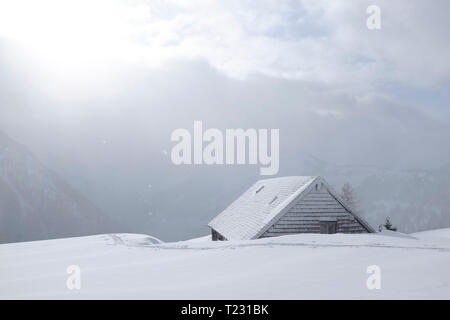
306,266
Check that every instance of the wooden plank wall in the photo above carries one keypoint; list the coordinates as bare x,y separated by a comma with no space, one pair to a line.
304,216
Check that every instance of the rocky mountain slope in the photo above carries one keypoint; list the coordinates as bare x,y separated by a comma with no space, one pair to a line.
36,204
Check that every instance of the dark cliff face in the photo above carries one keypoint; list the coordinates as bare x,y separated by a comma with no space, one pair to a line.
36,204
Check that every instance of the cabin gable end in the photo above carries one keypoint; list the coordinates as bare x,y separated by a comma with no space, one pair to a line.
318,211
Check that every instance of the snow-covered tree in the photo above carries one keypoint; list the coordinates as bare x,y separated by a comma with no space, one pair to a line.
388,225
348,194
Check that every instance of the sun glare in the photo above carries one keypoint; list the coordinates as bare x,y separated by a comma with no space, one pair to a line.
74,47
64,34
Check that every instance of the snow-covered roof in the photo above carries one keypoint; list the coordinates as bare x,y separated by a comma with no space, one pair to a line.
246,217
264,203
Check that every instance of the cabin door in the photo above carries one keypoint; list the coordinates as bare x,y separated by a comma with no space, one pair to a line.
328,227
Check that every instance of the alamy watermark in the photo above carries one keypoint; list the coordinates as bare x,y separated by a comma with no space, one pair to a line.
374,280
373,22
236,146
74,280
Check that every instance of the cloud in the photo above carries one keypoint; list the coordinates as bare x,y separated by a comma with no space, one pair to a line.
322,40
311,40
311,68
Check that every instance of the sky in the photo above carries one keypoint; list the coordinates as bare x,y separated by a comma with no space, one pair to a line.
90,72
95,88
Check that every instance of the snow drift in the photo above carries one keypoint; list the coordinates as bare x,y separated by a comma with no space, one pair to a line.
304,266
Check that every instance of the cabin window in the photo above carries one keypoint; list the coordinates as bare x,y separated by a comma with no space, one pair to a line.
319,186
328,227
259,189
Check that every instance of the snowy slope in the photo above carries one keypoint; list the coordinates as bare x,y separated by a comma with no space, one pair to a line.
303,266
441,233
36,204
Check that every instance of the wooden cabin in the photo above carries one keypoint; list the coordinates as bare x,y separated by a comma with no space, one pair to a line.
287,205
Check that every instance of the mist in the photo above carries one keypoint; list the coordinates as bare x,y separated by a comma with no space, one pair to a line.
376,100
